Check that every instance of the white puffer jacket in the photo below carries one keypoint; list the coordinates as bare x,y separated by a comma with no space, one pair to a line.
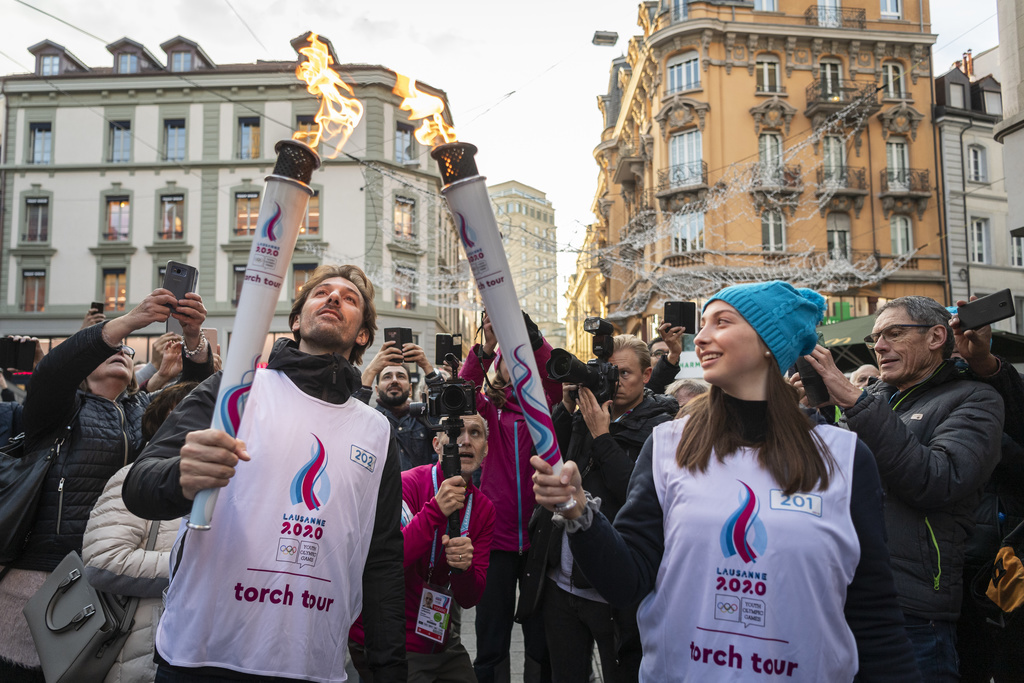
116,559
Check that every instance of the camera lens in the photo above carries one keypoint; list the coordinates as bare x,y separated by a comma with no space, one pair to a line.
453,400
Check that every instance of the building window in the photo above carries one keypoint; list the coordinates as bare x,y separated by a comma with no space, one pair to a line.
311,221
118,219
120,141
172,217
831,73
980,248
405,288
40,143
834,162
405,150
766,5
405,217
977,164
891,9
679,10
993,103
902,242
1017,252
181,61
956,95
127,64
683,72
769,149
37,219
249,137
306,127
49,65
838,235
773,231
174,140
247,211
898,163
768,74
685,154
301,273
892,80
115,289
687,232
33,291
238,280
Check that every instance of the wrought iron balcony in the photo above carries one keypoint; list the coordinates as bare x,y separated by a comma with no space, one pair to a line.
683,176
841,178
828,92
905,181
835,17
770,88
777,177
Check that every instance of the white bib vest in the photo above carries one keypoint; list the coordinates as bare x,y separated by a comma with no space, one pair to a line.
273,587
752,583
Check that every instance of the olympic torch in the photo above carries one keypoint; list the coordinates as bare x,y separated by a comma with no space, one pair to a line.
285,199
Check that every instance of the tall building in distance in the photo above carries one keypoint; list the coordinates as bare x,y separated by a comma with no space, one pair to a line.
983,256
775,139
110,171
526,219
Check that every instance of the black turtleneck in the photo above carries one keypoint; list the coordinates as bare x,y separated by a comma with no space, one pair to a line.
751,416
328,377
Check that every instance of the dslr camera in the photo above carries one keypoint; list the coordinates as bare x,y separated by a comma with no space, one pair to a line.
598,375
453,398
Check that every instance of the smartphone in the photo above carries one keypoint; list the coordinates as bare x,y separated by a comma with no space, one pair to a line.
445,344
399,335
179,279
814,385
682,314
211,338
98,305
986,310
15,355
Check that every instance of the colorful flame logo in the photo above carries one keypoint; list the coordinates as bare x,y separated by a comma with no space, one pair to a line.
271,225
538,419
312,475
741,525
468,236
234,401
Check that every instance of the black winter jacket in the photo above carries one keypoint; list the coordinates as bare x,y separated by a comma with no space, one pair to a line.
107,436
936,445
152,490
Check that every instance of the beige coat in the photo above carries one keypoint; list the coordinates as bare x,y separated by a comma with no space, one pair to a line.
116,559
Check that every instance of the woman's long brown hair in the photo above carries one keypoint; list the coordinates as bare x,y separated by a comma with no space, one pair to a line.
792,452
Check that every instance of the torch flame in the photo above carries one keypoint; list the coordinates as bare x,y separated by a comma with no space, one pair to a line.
338,115
420,105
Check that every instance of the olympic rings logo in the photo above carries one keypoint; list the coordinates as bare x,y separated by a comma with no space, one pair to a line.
288,549
727,607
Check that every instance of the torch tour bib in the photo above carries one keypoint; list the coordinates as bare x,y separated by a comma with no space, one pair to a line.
275,584
752,584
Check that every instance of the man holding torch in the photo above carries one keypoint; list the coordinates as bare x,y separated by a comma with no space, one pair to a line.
308,533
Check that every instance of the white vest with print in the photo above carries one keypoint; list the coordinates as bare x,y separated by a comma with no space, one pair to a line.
273,587
752,583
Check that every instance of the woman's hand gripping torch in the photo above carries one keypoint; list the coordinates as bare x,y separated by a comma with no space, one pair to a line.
466,193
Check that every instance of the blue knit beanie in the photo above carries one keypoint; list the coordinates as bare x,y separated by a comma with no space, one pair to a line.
783,316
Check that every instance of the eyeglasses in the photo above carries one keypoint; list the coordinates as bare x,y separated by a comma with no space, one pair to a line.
127,350
659,353
892,334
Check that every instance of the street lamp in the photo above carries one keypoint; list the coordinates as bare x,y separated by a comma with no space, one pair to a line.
605,38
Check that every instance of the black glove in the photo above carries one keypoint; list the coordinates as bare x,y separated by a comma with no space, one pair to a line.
536,338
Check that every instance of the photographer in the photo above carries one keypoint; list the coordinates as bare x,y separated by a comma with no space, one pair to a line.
665,353
394,386
603,438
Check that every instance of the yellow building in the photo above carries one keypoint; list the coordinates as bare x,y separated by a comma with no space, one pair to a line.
769,140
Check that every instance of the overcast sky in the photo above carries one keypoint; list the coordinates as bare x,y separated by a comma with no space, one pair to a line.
522,78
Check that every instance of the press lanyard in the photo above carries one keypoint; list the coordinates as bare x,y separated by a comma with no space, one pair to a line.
465,520
913,388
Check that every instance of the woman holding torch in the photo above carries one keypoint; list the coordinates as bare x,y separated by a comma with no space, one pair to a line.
752,538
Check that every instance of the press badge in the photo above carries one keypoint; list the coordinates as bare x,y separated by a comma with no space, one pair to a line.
435,613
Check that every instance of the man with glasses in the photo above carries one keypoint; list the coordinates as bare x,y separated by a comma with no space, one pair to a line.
665,352
936,439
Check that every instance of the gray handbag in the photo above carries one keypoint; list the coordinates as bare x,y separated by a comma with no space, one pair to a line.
78,630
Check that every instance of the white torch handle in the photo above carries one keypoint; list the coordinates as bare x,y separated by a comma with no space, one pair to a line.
281,213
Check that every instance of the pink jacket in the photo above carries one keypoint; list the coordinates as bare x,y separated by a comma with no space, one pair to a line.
427,521
506,477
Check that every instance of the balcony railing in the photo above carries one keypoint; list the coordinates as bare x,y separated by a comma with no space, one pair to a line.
770,88
827,92
842,178
777,176
835,17
683,175
908,180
